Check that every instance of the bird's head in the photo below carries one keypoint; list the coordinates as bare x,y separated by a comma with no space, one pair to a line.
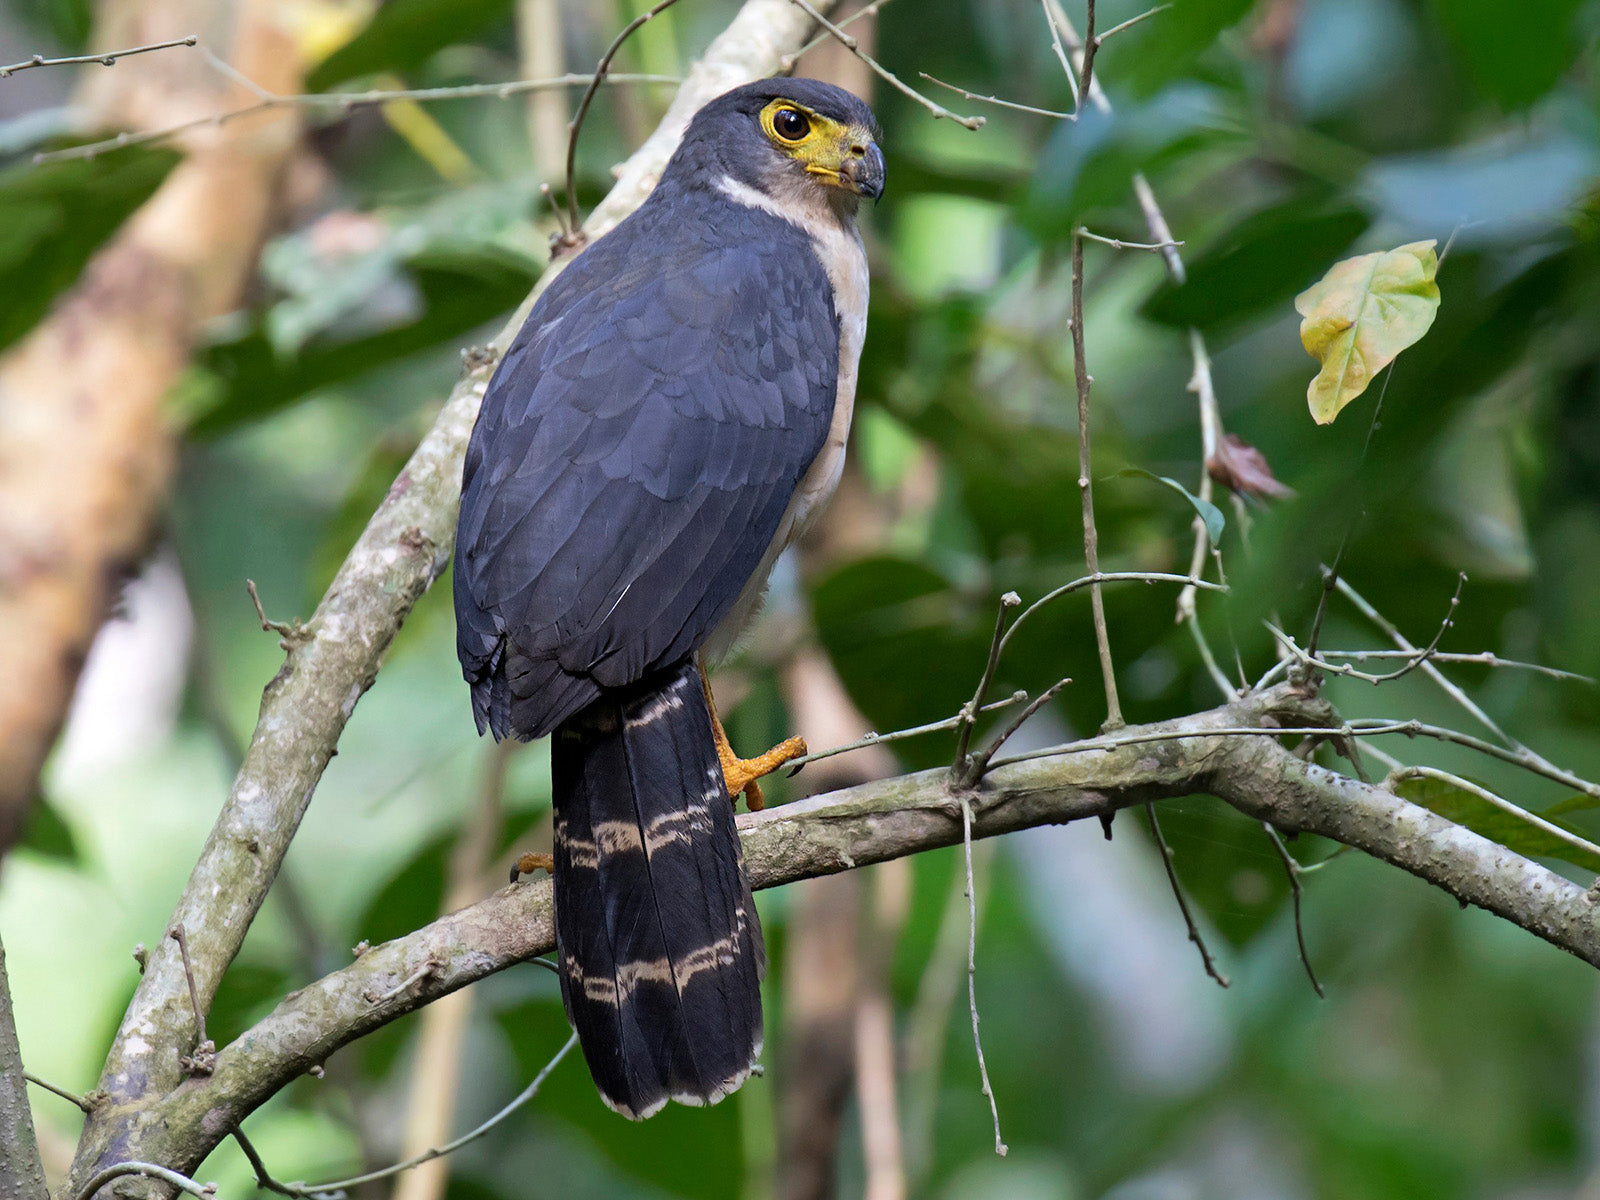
794,140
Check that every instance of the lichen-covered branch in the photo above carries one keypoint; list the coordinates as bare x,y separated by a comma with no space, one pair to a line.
21,1174
334,658
889,819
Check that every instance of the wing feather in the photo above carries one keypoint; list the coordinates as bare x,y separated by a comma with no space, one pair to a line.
635,454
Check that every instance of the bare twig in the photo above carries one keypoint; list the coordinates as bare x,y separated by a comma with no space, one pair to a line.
878,739
1091,44
204,1056
314,1190
1091,536
1011,104
1103,38
121,1170
1000,1146
969,712
1293,870
1414,659
1177,894
786,64
883,73
106,59
72,1097
1482,658
574,129
290,630
1100,577
979,762
1330,574
1119,244
341,102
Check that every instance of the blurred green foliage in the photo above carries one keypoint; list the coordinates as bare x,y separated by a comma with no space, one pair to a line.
1454,1054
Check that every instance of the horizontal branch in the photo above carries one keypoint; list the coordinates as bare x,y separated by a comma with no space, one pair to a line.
889,819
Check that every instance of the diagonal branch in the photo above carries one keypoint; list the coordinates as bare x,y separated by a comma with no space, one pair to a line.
405,546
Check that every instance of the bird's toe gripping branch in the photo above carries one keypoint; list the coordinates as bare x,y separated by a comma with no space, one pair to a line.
740,774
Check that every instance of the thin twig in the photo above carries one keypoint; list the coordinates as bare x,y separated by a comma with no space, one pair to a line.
107,59
878,739
1183,904
1201,382
1292,869
1483,658
576,127
882,72
121,1170
291,630
204,1056
1099,577
1091,536
1091,45
1103,38
265,1180
969,713
980,760
1011,104
341,102
1000,1146
73,1097
1330,575
787,62
1414,659
1119,244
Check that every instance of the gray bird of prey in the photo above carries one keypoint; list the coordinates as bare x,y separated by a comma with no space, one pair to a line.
672,415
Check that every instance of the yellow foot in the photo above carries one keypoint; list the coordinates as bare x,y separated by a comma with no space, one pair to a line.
740,774
527,864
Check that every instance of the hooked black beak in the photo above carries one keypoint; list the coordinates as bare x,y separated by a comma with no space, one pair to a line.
865,171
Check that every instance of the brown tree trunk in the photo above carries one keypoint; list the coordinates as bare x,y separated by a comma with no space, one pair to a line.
86,448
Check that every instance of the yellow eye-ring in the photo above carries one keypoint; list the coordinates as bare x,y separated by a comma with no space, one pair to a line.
790,124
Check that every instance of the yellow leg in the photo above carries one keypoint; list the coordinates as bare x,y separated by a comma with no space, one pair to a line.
527,864
740,774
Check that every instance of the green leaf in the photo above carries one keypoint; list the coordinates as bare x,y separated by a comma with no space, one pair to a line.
1208,512
48,835
1159,50
1511,830
1514,59
1258,264
1089,164
1361,315
404,33
54,216
245,379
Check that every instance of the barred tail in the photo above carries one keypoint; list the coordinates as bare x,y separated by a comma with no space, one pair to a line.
656,930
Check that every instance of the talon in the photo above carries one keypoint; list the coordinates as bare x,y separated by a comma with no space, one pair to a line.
740,774
527,864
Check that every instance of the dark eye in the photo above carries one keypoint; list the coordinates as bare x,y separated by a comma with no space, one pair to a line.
790,124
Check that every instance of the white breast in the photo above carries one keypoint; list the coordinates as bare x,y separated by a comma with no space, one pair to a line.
838,247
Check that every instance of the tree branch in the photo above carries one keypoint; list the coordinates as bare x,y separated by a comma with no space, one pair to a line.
21,1174
890,819
405,546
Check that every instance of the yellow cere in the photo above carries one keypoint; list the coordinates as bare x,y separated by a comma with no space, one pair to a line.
819,142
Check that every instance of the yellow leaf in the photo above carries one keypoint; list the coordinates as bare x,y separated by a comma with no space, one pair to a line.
1360,315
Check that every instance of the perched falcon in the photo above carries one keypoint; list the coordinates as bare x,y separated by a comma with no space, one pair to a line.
671,416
